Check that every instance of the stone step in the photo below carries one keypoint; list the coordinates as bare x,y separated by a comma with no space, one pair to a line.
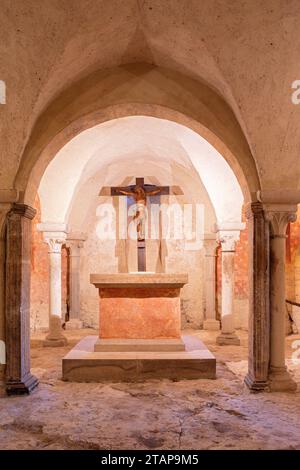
83,364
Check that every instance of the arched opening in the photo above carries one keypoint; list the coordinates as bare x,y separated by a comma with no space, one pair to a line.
203,75
162,152
153,148
47,141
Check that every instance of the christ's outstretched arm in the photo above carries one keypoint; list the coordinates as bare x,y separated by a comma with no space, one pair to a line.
127,193
153,192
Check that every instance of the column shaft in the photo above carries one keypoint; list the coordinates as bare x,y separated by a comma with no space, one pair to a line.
279,377
277,357
227,292
19,380
259,308
55,283
75,245
55,336
228,335
210,322
4,209
74,286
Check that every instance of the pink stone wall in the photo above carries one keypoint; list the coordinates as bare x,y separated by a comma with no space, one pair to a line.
293,260
39,293
241,288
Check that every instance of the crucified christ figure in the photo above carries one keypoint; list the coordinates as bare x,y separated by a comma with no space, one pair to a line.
139,194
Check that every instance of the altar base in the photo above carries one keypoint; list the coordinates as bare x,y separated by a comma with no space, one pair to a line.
139,334
83,364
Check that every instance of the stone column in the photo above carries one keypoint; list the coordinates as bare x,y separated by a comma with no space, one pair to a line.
75,243
279,216
19,380
4,209
55,336
228,335
210,245
259,311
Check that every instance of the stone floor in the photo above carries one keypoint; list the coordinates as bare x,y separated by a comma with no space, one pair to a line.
197,414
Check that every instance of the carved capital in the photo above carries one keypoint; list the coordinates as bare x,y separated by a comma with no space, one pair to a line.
54,239
75,242
254,209
54,244
228,233
4,209
279,221
23,210
228,240
75,247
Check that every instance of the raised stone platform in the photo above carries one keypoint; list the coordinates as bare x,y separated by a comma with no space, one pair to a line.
82,364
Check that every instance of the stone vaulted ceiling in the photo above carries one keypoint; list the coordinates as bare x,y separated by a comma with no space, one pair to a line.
247,51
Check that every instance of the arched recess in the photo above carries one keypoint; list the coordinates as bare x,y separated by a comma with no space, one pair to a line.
131,90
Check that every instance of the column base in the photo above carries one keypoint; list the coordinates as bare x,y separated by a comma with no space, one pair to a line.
281,381
55,338
55,342
226,339
211,324
23,387
74,324
256,385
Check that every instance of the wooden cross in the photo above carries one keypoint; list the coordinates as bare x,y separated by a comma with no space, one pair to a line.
164,190
140,191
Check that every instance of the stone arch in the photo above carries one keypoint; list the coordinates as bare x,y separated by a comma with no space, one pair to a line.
131,90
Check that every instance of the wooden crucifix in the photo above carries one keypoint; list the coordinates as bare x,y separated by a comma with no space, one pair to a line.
140,191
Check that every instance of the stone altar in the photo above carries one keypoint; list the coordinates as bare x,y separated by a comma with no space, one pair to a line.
139,311
139,333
